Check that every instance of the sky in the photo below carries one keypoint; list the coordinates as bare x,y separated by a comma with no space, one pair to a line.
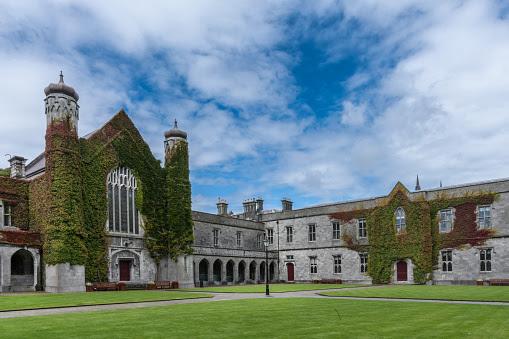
318,101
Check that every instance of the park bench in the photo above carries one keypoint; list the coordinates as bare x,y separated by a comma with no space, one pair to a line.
104,286
499,282
163,284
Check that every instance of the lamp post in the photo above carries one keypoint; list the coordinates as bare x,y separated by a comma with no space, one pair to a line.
266,244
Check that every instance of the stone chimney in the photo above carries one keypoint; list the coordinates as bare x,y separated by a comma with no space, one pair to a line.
222,207
249,208
259,205
287,204
17,166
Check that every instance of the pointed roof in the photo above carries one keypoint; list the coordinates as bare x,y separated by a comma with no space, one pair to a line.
417,184
175,132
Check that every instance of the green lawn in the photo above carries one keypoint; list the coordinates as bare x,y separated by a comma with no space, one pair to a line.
275,288
272,318
47,300
474,293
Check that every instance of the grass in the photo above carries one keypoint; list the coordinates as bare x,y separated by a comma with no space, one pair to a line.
472,293
47,300
273,318
274,288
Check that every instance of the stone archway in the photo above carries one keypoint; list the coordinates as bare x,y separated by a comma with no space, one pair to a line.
230,267
403,271
125,266
22,270
217,267
242,271
203,270
262,271
252,271
272,270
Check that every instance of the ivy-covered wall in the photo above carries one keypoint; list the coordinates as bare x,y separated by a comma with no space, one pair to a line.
420,241
15,192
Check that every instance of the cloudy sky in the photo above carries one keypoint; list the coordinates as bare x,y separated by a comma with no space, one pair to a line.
319,101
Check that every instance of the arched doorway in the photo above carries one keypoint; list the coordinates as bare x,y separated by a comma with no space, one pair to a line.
242,271
229,271
290,270
272,269
203,270
401,271
216,270
262,271
252,271
22,269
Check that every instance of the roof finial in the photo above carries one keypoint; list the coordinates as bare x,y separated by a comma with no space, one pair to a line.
417,185
61,77
440,183
175,124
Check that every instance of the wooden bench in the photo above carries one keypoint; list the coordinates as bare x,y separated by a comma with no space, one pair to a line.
163,284
104,286
499,282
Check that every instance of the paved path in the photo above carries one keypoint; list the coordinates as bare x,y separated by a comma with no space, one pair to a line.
219,297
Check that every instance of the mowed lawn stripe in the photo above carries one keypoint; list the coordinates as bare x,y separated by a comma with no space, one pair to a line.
274,288
273,318
50,300
459,293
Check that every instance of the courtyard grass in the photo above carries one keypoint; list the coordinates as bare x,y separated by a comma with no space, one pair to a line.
274,288
24,301
273,318
470,293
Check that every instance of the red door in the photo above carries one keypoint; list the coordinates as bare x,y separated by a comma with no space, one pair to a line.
125,270
401,268
289,268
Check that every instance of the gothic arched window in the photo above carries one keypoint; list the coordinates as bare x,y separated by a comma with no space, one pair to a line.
123,216
400,220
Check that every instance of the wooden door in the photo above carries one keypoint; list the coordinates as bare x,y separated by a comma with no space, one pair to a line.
289,268
125,270
401,268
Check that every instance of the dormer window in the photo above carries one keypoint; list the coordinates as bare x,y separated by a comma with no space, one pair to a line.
5,214
400,219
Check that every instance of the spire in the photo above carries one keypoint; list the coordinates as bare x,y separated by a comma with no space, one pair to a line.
61,77
175,125
440,183
417,185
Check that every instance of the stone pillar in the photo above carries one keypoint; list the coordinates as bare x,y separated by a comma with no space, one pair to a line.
211,272
65,278
185,271
235,272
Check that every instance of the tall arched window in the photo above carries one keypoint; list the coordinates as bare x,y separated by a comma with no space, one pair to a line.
400,220
123,216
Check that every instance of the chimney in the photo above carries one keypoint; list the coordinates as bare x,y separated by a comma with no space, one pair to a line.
17,166
222,206
287,204
259,205
249,209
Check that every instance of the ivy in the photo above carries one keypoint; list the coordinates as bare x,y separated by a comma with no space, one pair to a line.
5,172
420,241
15,192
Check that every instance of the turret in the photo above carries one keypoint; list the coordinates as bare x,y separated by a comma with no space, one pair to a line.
61,104
171,138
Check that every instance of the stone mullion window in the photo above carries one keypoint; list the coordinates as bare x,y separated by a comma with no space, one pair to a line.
289,234
446,220
313,266
122,212
485,259
337,264
215,236
400,219
312,232
363,262
446,261
363,233
5,214
239,239
270,236
484,216
336,230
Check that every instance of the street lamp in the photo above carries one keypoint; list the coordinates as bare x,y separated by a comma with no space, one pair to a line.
266,244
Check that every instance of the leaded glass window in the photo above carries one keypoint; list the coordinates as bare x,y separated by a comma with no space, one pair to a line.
123,215
400,219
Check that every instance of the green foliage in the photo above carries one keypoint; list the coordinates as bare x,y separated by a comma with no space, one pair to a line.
420,241
15,192
178,195
5,172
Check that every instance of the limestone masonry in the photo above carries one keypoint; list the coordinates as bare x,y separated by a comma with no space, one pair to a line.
446,235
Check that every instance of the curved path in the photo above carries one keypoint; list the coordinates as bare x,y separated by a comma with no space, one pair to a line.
221,296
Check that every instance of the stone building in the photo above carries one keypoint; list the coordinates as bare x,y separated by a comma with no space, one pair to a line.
94,208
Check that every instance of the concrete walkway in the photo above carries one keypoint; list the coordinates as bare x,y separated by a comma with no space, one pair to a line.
220,297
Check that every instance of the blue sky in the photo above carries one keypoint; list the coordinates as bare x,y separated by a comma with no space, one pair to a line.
318,101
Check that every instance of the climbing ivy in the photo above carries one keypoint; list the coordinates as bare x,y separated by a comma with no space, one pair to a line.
420,241
5,172
15,192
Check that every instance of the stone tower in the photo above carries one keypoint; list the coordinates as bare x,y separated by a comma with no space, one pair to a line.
64,249
180,262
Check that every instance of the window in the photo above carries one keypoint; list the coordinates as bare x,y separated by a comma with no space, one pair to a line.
5,214
270,235
312,232
123,216
313,267
289,257
336,230
400,220
337,264
485,257
363,232
484,216
364,262
445,220
259,240
447,261
239,239
289,234
215,237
